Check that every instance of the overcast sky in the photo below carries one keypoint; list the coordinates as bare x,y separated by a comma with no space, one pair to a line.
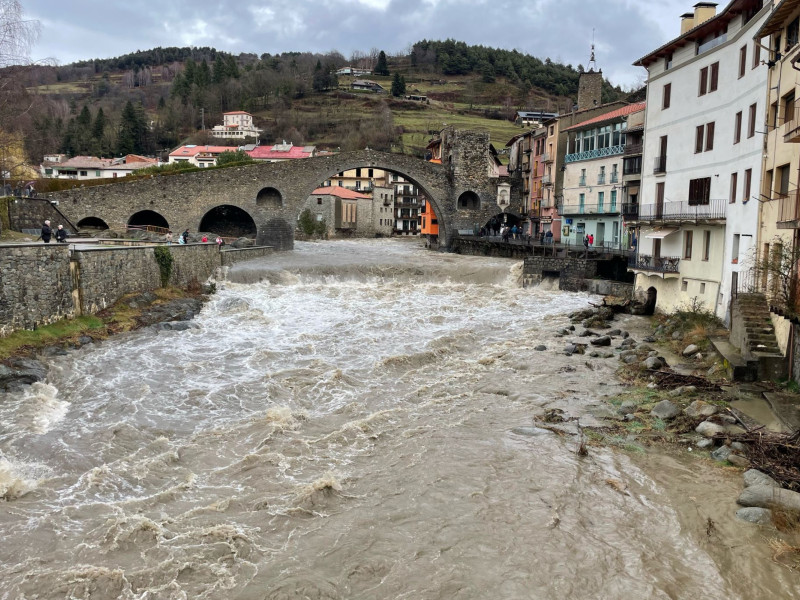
560,29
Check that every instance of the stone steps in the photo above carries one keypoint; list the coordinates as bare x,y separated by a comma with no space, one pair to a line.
760,347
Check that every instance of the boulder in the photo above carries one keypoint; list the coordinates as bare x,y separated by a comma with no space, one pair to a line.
737,460
677,335
721,454
628,407
615,332
649,339
540,348
629,359
644,348
753,477
709,429
705,443
665,410
653,363
699,408
753,514
767,496
601,341
690,350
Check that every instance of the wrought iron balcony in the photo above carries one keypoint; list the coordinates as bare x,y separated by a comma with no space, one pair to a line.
592,154
601,179
630,210
592,208
582,180
660,164
632,167
614,177
684,211
657,264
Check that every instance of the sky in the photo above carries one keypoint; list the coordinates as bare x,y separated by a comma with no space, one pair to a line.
624,30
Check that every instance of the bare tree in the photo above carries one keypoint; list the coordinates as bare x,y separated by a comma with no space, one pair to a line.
17,34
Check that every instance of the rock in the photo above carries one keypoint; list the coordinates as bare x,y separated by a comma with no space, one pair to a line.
85,339
705,443
698,357
594,354
649,339
628,407
677,335
52,351
690,350
571,328
754,477
570,349
563,331
652,386
531,431
630,417
653,363
709,429
721,454
699,408
712,370
643,348
626,335
587,333
753,514
615,332
739,447
630,359
606,355
767,496
738,461
601,341
541,348
665,410
21,372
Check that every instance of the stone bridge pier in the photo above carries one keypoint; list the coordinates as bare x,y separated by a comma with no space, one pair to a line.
272,195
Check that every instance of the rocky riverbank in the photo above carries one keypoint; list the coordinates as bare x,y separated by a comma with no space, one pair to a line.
26,353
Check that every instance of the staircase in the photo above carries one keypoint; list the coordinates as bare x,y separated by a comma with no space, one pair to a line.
753,334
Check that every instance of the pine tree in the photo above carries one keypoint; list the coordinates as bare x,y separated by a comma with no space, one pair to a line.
398,85
99,127
203,77
382,68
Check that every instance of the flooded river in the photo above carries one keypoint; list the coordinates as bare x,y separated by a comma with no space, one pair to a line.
355,420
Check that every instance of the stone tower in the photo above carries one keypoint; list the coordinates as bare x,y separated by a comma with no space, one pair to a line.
590,86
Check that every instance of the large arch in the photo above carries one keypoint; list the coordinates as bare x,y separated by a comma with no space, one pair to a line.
145,218
269,197
469,200
228,220
92,223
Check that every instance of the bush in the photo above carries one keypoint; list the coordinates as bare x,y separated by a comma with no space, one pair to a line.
165,261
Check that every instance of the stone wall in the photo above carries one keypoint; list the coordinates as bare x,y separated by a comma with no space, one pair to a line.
478,246
193,263
606,287
35,286
232,256
572,272
31,213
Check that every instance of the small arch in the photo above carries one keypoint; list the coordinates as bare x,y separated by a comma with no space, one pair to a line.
469,200
143,218
277,233
650,303
229,221
93,223
269,197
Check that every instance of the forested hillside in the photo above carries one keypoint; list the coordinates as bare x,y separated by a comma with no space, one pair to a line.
150,101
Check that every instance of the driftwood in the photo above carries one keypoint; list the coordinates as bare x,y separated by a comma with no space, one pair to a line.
670,379
776,454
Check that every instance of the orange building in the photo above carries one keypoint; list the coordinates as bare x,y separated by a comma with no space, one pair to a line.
429,224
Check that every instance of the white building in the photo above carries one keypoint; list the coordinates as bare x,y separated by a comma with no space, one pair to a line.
236,125
703,146
58,166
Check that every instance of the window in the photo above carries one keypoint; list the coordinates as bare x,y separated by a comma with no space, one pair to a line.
788,107
684,285
783,181
702,288
776,51
773,115
668,62
704,133
710,136
600,201
791,33
358,172
97,173
748,179
666,96
742,61
734,182
756,54
687,245
581,202
735,249
703,81
699,191
614,202
698,139
751,123
712,85
706,244
737,128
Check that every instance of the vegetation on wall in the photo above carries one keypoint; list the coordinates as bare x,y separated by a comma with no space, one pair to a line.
165,262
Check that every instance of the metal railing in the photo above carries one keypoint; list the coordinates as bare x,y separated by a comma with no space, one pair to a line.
614,177
547,157
658,264
601,179
547,179
593,208
591,154
660,164
630,210
791,128
632,168
683,211
582,180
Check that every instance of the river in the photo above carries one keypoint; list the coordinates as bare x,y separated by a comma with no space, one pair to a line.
355,420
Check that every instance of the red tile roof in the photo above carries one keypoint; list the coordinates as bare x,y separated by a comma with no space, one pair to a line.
194,150
620,112
236,112
269,152
341,192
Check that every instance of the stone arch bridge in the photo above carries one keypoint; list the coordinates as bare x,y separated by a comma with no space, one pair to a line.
274,194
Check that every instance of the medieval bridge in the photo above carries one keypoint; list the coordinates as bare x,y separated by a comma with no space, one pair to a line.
274,194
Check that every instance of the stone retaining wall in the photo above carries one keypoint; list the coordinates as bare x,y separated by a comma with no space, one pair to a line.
31,213
572,272
42,283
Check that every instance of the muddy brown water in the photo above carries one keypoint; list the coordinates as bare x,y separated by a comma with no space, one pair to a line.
355,420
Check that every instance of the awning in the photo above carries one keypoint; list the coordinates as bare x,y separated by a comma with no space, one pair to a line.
660,234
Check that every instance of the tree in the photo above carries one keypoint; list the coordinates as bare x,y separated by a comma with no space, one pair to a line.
234,156
398,85
382,68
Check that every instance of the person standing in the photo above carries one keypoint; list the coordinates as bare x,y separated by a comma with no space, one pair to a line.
168,238
185,236
61,234
47,233
205,239
219,241
591,239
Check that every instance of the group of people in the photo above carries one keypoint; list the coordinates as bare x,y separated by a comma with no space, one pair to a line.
184,238
588,241
48,233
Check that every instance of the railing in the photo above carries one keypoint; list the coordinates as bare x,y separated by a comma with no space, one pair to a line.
632,168
632,149
582,180
658,264
601,179
790,210
683,211
660,164
630,210
791,128
591,154
547,157
587,209
614,177
547,179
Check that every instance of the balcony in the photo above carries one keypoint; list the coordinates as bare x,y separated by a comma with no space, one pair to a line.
547,157
789,215
582,181
614,177
592,208
656,264
592,154
633,149
601,179
660,165
632,167
630,210
547,179
714,210
791,128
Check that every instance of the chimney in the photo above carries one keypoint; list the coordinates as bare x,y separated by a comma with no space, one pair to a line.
703,11
687,22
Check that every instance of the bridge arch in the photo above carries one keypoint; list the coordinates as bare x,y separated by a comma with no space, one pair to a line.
229,220
92,223
469,200
144,218
269,197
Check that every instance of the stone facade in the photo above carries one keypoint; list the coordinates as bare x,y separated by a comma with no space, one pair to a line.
31,213
43,283
572,272
590,89
274,194
35,286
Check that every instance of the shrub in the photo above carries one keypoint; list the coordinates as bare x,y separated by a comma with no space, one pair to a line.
165,261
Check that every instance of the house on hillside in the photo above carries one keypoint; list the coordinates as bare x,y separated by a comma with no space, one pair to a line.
236,125
58,166
532,118
353,72
281,152
199,156
367,85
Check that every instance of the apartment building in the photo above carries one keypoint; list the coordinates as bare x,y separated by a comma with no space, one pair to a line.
703,144
236,125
